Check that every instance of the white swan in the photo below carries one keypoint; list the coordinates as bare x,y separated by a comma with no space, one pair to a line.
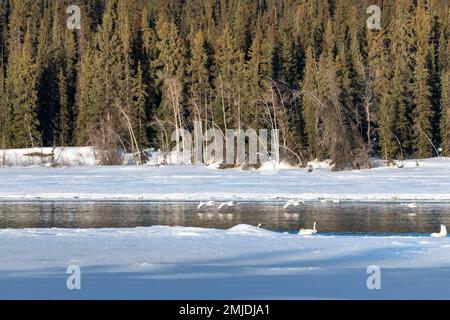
228,204
260,226
441,234
208,204
308,232
293,203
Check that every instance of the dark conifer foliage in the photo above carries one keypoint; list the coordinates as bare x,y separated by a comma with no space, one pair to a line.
139,69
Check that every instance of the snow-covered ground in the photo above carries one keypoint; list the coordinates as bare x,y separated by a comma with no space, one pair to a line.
76,156
240,263
430,181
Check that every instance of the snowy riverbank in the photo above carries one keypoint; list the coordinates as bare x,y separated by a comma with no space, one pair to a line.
430,181
239,263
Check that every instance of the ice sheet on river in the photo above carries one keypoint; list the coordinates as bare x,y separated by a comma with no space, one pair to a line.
243,262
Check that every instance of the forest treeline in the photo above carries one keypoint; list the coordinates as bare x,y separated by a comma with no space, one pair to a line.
138,69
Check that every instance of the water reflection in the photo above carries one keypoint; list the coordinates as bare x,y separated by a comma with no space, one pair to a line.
334,218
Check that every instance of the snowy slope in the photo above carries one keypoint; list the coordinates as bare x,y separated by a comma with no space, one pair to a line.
428,182
243,262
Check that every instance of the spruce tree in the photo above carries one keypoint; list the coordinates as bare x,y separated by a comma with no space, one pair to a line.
21,97
335,128
170,67
86,117
139,113
403,47
292,60
64,124
310,109
199,77
228,64
4,120
423,112
445,112
47,65
381,73
259,72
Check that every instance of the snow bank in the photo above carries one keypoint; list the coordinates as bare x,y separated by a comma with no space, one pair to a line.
241,263
427,182
80,156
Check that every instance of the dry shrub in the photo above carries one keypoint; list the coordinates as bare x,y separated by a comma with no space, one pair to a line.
361,159
290,158
106,142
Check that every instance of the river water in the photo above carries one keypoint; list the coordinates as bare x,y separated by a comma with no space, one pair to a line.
342,218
